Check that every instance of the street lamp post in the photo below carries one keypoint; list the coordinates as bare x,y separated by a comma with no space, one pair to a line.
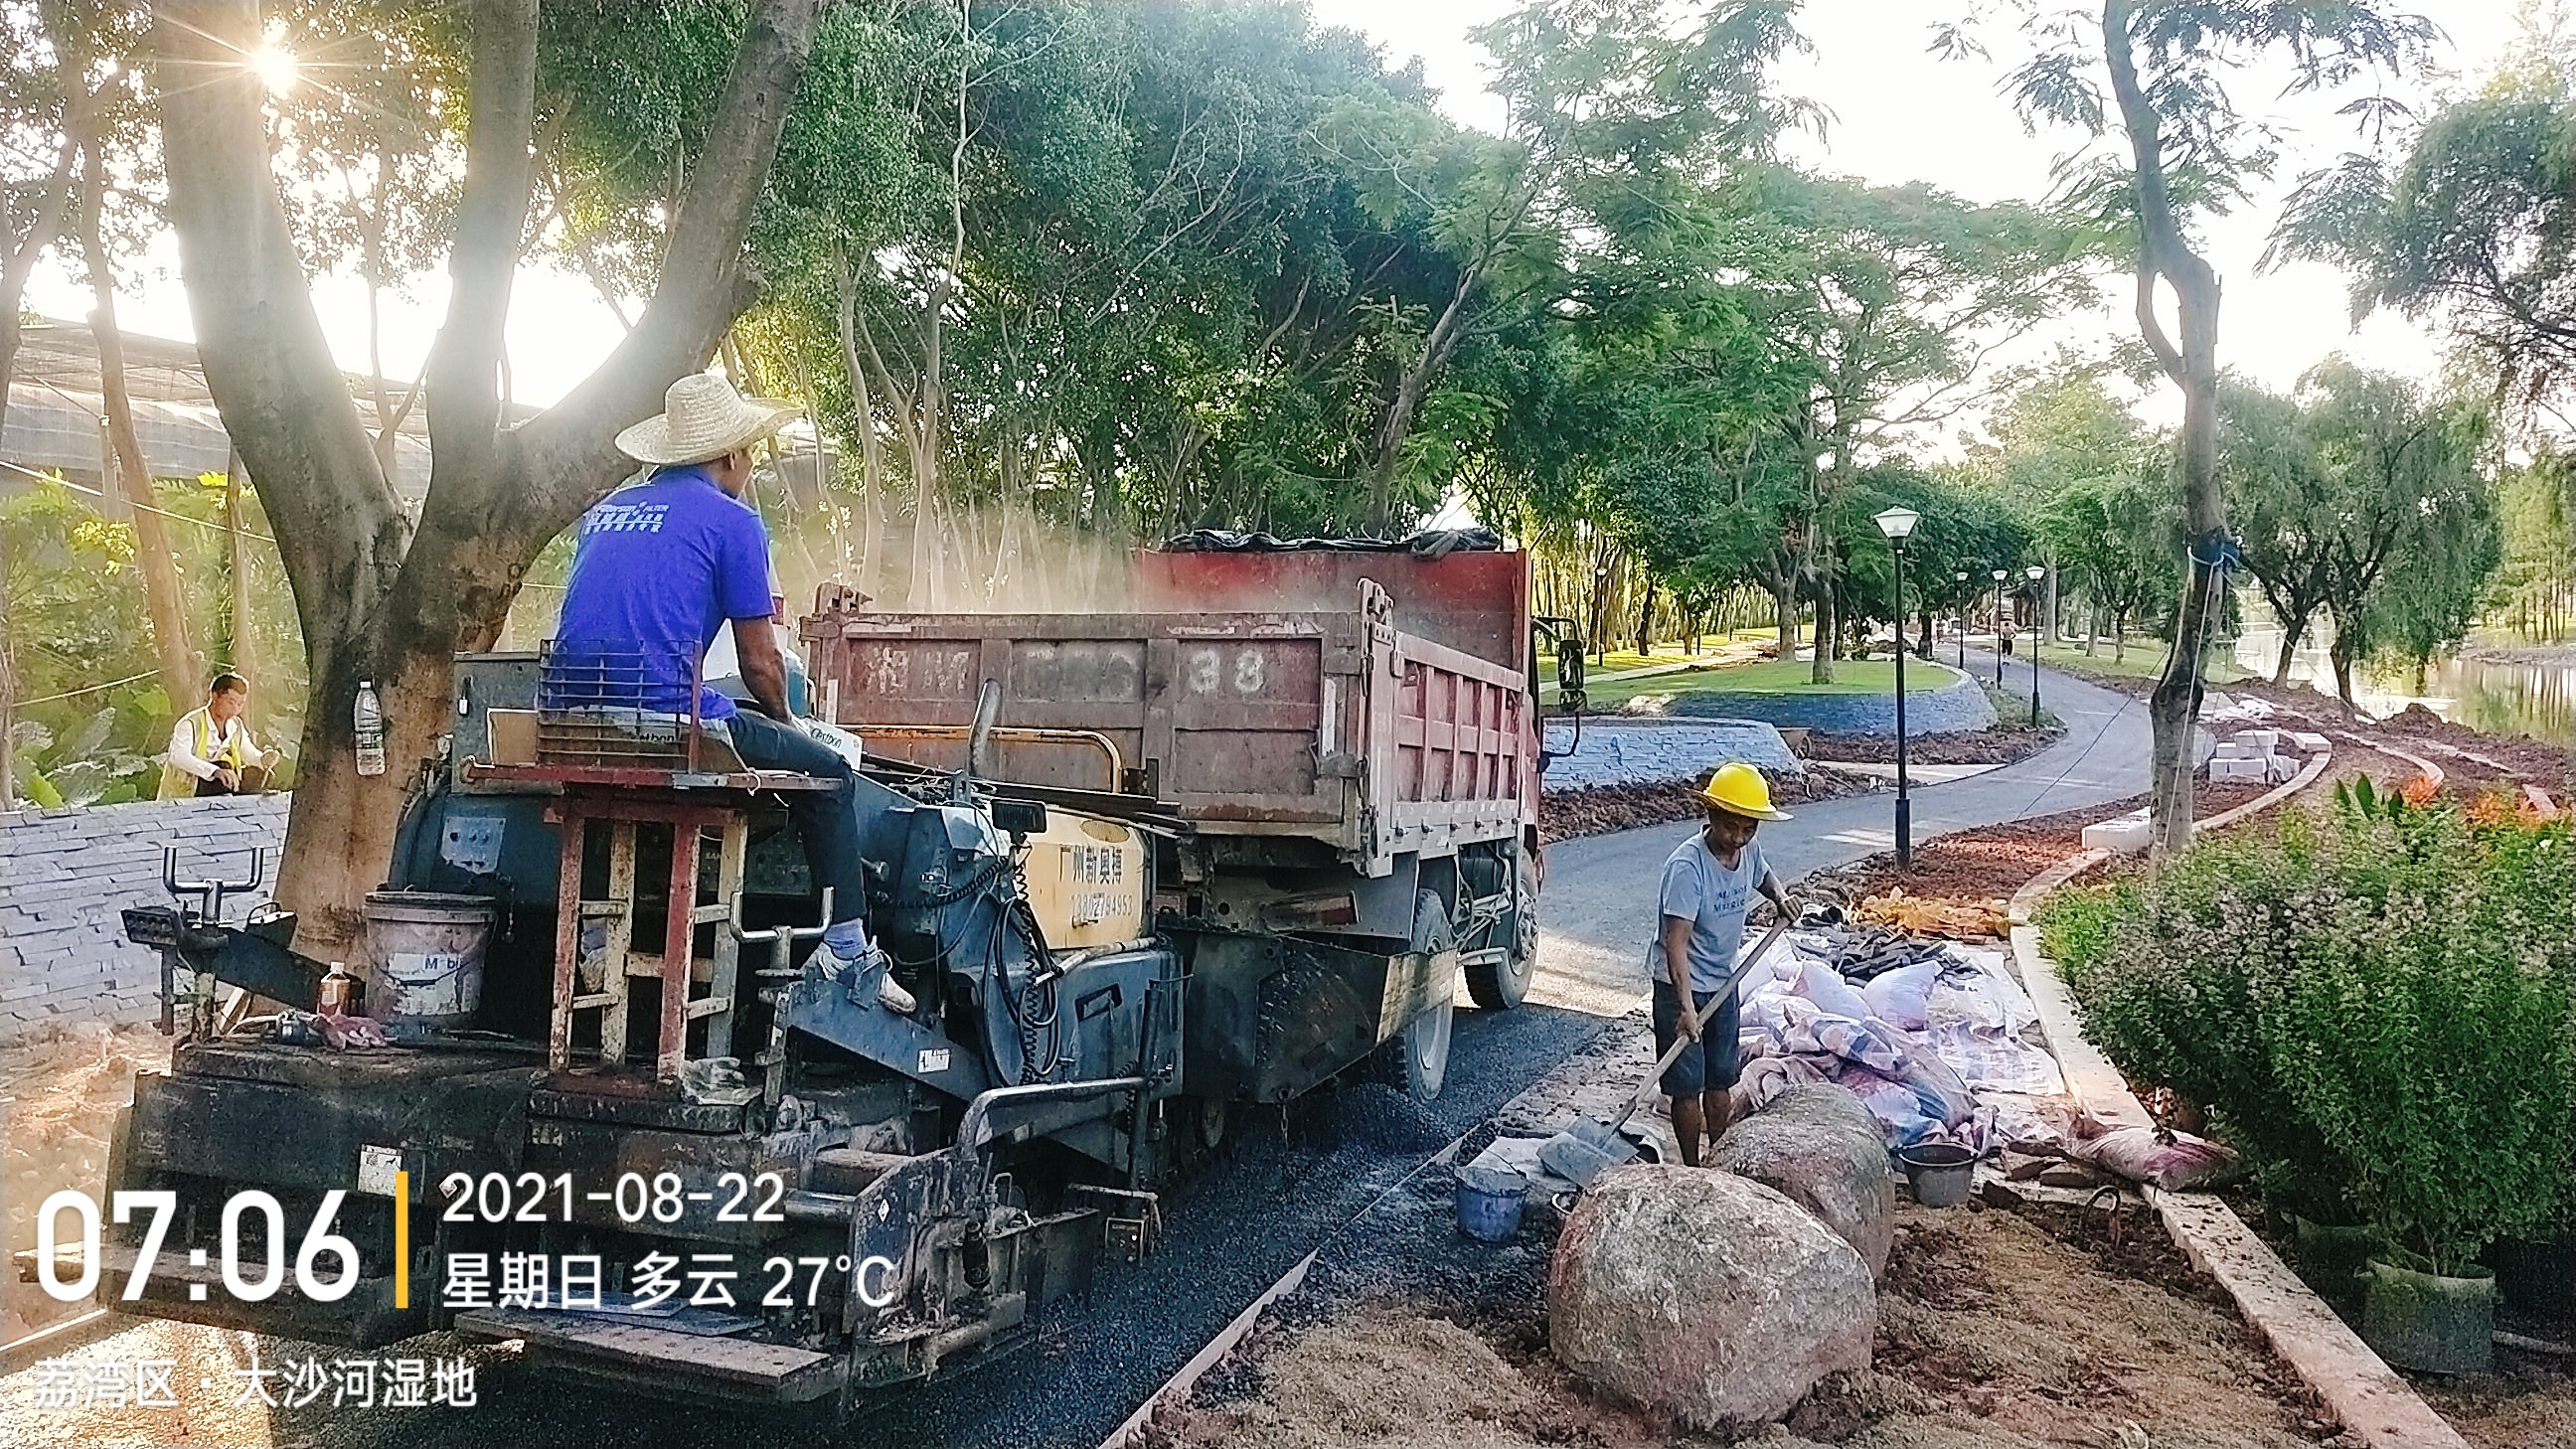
1897,523
2000,576
2034,573
1961,579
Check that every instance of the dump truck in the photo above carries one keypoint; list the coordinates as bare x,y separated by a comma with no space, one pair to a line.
1137,870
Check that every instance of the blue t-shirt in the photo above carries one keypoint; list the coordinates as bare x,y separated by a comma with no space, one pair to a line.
1700,889
657,566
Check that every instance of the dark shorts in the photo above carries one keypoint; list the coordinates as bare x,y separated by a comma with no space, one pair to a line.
1712,1065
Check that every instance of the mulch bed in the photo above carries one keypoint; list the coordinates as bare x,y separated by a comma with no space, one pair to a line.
2001,745
2506,759
1572,814
1995,860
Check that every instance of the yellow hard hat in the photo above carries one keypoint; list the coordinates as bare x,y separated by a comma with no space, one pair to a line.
1739,787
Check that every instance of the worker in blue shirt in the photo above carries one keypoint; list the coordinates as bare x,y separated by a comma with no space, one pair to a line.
658,567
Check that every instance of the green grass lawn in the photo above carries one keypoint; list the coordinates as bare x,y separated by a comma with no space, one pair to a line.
1773,676
1619,659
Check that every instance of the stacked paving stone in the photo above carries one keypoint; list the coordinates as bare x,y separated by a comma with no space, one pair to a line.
67,875
2271,756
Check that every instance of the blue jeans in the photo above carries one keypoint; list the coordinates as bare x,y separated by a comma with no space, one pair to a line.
827,821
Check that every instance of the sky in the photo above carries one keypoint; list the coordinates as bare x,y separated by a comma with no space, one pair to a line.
1897,114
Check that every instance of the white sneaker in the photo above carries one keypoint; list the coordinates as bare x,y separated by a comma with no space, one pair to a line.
856,969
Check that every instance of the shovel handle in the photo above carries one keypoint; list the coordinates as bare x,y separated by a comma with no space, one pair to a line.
1682,1040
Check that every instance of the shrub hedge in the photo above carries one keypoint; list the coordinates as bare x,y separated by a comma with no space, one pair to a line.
2375,1004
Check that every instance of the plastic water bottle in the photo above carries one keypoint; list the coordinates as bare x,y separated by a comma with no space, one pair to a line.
371,730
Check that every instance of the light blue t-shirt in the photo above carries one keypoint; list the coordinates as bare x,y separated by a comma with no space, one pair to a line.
1700,889
657,567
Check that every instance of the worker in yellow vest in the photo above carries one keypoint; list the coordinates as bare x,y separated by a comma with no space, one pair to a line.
211,751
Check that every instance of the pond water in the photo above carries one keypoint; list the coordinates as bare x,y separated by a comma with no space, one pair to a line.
2504,686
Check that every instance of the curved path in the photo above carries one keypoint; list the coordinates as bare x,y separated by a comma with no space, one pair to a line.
1600,890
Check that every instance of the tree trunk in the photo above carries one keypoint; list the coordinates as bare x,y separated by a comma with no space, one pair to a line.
2292,630
1646,623
242,646
380,599
163,597
1829,638
2093,632
2049,604
2340,652
8,683
1784,603
2119,636
1411,384
2165,253
42,229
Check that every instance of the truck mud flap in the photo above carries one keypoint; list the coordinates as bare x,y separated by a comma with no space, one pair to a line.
1271,1017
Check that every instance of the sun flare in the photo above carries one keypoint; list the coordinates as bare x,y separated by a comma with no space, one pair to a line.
276,67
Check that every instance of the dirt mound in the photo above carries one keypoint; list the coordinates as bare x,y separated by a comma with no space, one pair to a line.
65,1092
2000,745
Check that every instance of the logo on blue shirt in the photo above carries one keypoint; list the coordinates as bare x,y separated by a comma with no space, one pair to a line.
626,518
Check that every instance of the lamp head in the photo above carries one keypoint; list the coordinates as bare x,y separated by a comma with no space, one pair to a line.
2035,573
1897,523
2002,574
1961,576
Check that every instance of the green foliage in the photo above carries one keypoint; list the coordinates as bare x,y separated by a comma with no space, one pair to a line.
2475,225
2377,1002
79,645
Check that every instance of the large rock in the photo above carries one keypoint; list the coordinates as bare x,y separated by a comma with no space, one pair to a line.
1705,1295
1818,1145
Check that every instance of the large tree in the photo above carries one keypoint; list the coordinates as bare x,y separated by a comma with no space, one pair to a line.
382,596
2474,226
2155,74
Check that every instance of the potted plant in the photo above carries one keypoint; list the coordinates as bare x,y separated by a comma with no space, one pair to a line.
2432,1055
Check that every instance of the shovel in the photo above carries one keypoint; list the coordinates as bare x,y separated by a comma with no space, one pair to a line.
1588,1149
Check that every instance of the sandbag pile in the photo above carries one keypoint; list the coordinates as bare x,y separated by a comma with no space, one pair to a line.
1937,1040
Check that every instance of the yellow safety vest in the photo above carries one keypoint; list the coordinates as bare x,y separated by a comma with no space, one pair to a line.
178,784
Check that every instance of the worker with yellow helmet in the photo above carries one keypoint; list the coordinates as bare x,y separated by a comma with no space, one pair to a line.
1708,889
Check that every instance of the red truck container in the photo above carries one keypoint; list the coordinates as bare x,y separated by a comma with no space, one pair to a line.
1342,730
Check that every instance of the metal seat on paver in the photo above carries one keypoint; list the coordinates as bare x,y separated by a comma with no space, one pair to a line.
620,758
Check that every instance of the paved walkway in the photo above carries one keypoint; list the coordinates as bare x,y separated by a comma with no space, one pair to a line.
1599,905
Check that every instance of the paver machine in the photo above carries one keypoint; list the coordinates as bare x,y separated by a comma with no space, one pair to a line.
1135,872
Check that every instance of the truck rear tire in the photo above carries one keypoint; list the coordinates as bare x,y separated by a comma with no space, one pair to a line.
1425,1041
1502,985
1422,1047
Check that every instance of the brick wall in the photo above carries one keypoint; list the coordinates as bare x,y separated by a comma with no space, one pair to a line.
66,874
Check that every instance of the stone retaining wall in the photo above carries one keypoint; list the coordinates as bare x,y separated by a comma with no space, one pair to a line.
1638,753
1958,706
65,877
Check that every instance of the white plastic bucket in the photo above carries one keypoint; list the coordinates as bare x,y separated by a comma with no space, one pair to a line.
426,950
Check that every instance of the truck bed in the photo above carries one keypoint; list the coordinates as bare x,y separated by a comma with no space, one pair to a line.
1335,725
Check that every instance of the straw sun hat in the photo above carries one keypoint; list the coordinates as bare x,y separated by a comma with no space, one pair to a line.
702,418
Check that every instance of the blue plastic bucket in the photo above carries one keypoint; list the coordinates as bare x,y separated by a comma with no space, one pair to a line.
1489,1202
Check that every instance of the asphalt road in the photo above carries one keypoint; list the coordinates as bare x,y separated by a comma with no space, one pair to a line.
1292,1180
1600,890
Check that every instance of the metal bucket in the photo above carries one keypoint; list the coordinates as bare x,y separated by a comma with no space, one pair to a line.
425,951
1939,1171
1489,1202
